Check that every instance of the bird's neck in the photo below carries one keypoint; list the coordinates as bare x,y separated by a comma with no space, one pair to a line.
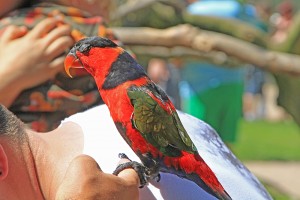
118,101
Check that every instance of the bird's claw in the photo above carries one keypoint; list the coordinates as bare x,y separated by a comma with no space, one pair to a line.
158,177
123,155
140,169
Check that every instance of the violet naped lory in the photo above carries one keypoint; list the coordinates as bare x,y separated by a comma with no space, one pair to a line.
143,114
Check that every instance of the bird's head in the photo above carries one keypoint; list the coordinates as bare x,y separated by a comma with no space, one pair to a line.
95,54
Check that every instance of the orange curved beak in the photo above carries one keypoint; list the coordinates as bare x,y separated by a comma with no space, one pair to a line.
71,61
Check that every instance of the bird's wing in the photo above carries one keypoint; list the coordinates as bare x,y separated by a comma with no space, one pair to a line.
156,119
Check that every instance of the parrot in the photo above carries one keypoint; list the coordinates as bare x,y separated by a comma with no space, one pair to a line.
143,115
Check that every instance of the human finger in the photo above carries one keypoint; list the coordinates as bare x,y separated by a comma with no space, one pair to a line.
58,47
129,175
43,27
81,169
12,32
85,180
54,34
57,65
83,164
43,72
80,179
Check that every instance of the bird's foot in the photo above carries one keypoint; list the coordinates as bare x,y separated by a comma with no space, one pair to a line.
140,169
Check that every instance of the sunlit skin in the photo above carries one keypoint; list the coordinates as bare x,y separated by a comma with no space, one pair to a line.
44,61
51,166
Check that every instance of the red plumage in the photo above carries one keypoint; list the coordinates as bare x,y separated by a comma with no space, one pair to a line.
135,102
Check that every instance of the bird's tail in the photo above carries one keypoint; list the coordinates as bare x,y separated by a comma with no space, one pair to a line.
194,168
218,193
224,195
209,178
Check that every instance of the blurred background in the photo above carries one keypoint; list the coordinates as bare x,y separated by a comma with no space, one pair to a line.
233,64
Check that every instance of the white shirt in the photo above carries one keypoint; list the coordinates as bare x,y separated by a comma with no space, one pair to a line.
103,142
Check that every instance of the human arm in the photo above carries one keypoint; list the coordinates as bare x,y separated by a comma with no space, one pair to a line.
84,179
29,58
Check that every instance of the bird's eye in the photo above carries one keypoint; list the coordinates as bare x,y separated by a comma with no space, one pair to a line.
84,48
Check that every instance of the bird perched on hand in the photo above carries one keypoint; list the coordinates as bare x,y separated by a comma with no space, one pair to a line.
143,114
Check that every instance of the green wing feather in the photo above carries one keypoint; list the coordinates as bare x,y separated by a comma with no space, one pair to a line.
163,130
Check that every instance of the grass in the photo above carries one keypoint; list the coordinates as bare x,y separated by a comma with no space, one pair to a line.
262,140
277,195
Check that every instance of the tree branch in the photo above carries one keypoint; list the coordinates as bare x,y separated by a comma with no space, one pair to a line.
133,6
229,26
206,41
217,58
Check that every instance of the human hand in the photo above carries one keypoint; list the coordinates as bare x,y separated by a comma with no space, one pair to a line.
85,180
29,58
